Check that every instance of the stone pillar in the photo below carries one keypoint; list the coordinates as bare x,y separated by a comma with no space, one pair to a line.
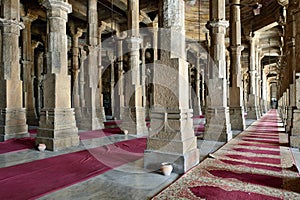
89,118
236,108
57,122
134,113
12,114
76,33
28,69
143,75
99,97
172,136
217,127
120,86
291,60
252,108
203,97
198,86
39,63
154,31
112,82
258,78
264,91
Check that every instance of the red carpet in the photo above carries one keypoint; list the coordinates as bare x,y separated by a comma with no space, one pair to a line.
257,151
252,166
260,145
99,133
259,179
14,145
37,178
256,159
215,193
258,166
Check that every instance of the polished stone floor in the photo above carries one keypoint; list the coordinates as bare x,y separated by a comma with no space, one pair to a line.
129,181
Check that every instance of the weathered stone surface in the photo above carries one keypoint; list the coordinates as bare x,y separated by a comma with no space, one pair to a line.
13,115
57,120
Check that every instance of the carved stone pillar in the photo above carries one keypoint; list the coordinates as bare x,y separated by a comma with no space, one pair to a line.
217,127
198,86
290,53
99,97
154,30
172,137
76,33
120,86
38,62
252,108
134,112
57,122
89,118
258,78
12,114
236,108
264,91
28,70
112,82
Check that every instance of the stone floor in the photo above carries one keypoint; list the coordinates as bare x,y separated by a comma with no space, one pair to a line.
130,181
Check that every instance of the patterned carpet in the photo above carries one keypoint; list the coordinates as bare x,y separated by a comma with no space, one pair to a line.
257,164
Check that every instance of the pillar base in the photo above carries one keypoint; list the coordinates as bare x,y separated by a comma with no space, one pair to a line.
133,120
289,119
252,108
295,130
172,140
57,129
181,162
31,118
217,127
89,120
13,124
100,112
237,118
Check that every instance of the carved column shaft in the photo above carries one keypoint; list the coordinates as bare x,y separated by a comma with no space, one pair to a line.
218,127
12,113
57,122
252,105
236,107
28,70
76,34
134,112
172,136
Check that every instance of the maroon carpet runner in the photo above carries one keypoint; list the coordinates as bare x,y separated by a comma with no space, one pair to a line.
37,178
14,145
255,165
21,144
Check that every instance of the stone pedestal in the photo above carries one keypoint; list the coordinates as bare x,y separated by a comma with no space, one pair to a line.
133,120
12,114
171,136
171,140
252,108
57,120
217,127
237,118
295,131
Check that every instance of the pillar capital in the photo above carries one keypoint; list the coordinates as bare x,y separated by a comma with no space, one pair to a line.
133,43
237,49
15,25
58,4
217,23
